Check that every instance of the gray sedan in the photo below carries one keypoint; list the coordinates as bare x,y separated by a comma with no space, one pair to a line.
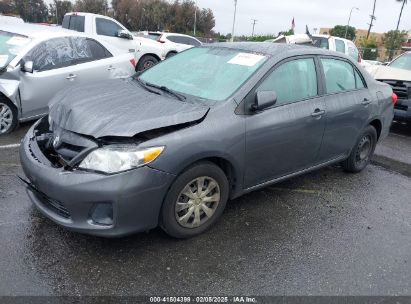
37,61
170,146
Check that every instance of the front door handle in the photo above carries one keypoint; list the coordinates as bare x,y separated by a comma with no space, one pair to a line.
71,76
365,102
110,68
318,113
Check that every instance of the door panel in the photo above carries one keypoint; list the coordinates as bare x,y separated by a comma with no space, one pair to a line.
286,138
283,140
347,107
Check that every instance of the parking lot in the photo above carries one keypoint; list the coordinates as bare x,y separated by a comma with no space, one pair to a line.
325,233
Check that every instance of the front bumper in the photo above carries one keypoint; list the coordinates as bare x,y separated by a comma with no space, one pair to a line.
402,110
69,197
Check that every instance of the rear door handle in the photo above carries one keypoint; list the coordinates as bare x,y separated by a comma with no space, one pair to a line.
366,102
318,113
71,76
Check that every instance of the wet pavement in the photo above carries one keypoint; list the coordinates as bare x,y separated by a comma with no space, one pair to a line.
325,233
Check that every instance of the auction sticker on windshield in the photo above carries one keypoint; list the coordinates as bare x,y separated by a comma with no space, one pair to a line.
246,59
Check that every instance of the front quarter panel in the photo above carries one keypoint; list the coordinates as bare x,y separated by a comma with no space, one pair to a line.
221,134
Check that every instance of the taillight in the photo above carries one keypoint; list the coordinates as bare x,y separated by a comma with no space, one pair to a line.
133,62
160,40
394,99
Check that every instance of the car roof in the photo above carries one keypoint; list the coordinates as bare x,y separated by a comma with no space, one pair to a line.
37,30
273,49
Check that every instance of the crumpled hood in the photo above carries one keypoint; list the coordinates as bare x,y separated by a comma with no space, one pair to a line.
119,108
388,73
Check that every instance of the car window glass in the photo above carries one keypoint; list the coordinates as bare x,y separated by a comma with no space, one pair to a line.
76,23
339,75
321,42
353,52
292,81
191,41
66,22
176,39
359,81
107,27
402,62
89,50
339,46
60,52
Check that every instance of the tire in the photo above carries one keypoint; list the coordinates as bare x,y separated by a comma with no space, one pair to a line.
146,62
8,116
171,54
194,219
362,152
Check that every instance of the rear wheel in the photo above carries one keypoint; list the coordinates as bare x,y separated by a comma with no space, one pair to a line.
195,201
171,54
146,62
8,116
363,150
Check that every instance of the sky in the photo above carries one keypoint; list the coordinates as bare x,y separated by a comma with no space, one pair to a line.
274,15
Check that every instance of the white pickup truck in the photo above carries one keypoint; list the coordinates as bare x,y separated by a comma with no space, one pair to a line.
147,52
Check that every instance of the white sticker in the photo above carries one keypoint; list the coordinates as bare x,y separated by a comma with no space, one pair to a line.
19,41
246,59
3,59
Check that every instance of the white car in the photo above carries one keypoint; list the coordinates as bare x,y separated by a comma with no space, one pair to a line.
38,61
173,43
147,52
328,42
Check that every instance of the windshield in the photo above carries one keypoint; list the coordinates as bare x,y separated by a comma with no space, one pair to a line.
209,73
402,62
10,45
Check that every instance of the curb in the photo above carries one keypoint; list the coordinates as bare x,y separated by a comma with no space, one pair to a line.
392,164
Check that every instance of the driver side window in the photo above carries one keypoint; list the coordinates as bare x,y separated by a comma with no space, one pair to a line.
292,81
107,27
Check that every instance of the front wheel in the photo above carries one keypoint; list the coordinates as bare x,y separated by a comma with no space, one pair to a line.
146,62
363,150
195,201
8,116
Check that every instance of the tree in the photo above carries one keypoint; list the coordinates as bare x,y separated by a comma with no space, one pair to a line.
7,7
369,48
393,40
31,10
59,7
286,33
339,31
92,6
404,2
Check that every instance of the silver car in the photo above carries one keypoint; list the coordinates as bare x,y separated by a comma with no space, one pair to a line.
37,61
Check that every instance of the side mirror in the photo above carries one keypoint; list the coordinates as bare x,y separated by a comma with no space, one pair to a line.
27,67
264,100
124,34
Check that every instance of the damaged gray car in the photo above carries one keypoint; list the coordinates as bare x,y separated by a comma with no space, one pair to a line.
172,145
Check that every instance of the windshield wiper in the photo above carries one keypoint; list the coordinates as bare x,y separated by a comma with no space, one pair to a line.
144,85
179,96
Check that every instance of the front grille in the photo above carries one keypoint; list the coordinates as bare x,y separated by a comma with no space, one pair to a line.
53,205
401,88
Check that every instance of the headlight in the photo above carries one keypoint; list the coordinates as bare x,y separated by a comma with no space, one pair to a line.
118,158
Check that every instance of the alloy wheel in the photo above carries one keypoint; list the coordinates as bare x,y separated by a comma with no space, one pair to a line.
197,202
6,118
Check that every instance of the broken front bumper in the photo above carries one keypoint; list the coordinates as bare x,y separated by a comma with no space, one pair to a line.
103,205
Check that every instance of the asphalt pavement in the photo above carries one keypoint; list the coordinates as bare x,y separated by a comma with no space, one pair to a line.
324,233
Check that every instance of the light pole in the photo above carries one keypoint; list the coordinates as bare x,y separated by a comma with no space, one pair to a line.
349,19
195,18
254,22
235,12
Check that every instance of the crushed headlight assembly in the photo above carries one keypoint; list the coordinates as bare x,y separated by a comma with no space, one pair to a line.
118,158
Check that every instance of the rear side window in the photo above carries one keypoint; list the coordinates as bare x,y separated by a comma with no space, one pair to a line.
90,49
292,81
107,27
339,75
192,41
75,23
339,46
359,82
176,39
